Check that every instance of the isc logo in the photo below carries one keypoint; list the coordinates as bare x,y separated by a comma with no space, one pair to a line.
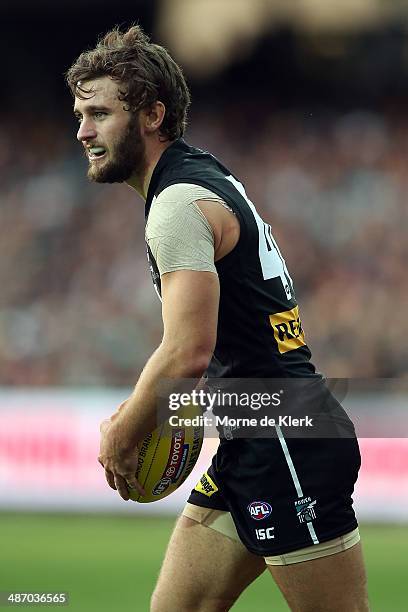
264,534
259,510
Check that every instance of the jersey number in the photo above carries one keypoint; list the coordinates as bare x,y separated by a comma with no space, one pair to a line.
272,263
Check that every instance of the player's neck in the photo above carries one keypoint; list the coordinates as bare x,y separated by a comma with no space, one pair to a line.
141,181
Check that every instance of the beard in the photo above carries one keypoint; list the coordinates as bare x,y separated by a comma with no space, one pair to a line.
127,157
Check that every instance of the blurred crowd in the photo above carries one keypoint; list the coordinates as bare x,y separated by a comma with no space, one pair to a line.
77,306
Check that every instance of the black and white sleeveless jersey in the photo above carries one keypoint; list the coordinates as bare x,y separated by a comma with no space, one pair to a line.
259,329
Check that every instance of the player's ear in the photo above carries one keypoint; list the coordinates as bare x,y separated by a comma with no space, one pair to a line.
154,116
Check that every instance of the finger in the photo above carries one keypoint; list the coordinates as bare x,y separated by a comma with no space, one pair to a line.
134,484
121,487
110,479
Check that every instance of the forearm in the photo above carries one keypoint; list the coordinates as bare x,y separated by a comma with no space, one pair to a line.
139,415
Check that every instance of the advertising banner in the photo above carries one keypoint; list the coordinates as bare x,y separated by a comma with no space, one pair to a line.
49,441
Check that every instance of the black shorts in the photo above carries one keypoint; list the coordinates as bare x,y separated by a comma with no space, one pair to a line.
283,493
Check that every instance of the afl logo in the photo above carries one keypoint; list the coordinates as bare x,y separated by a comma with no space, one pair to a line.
161,486
259,510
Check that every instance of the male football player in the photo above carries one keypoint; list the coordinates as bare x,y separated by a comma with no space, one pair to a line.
229,309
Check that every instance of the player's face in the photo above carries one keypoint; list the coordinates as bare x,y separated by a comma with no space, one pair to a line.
111,135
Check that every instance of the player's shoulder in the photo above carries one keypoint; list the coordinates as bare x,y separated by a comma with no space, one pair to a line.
178,192
171,209
181,195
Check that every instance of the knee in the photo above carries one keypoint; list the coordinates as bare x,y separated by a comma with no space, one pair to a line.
158,603
161,602
154,602
360,605
169,601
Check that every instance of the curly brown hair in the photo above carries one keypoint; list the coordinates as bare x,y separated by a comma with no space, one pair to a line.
145,71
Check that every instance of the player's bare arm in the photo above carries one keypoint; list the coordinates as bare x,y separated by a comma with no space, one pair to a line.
190,311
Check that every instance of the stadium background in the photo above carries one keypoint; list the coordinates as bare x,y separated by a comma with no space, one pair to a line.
306,102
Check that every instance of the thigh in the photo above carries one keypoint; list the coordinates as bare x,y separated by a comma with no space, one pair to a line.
203,570
336,583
